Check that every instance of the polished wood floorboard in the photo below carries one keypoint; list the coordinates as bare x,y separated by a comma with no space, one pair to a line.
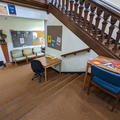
60,98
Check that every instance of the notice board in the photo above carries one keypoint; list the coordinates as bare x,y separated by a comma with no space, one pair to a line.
22,38
38,38
54,37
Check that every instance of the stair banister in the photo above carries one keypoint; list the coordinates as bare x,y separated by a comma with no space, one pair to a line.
67,7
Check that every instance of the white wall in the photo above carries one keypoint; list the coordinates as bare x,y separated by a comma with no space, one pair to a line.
70,43
25,12
18,24
27,19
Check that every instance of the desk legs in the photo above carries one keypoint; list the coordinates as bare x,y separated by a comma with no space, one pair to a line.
60,68
86,74
45,74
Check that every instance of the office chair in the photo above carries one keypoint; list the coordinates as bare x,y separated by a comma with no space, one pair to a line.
107,81
37,68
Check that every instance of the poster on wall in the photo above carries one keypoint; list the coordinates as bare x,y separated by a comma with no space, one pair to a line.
35,35
3,10
22,41
49,39
12,9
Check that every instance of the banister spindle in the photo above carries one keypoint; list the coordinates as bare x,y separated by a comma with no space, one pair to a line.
117,40
59,4
52,1
55,3
87,5
92,14
67,7
63,5
71,7
75,9
111,28
80,12
104,24
98,18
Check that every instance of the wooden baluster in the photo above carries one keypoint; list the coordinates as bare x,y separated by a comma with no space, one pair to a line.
117,40
92,14
71,7
67,7
52,2
98,18
76,9
104,24
87,5
80,12
111,28
59,5
55,3
63,5
46,1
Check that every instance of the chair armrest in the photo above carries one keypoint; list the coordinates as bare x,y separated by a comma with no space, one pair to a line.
25,55
43,51
33,51
36,54
11,54
14,59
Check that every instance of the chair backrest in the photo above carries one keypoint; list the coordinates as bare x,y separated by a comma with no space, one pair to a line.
28,51
37,49
105,75
17,53
36,66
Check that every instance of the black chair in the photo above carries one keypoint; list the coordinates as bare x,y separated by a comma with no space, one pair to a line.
37,68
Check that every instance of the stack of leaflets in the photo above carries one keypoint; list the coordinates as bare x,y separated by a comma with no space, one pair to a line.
51,57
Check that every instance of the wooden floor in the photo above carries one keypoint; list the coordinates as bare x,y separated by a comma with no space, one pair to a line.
60,98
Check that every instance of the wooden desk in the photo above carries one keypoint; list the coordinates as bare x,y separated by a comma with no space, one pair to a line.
48,62
103,61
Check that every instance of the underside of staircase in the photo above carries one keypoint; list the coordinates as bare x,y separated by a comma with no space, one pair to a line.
94,22
78,16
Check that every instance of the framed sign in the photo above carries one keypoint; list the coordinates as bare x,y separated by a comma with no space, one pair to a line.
12,9
3,10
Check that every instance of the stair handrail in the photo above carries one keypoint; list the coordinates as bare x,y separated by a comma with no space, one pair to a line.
75,52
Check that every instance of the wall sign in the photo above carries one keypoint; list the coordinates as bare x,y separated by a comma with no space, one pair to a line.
12,9
3,10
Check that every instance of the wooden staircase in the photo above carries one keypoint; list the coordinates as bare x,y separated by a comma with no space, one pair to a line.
93,22
35,95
